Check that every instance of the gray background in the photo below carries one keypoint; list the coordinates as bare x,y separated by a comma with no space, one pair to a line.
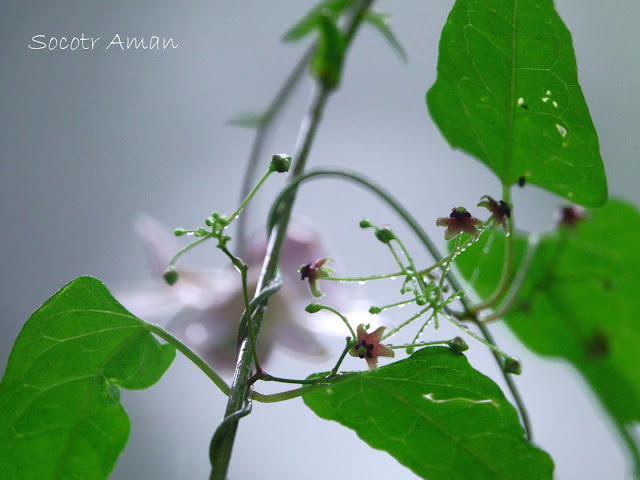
88,140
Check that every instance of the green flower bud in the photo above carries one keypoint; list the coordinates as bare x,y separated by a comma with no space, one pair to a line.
364,223
373,310
209,221
313,307
384,234
458,345
280,163
170,276
179,232
513,365
201,232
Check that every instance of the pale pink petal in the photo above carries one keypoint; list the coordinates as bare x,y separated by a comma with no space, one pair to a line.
376,336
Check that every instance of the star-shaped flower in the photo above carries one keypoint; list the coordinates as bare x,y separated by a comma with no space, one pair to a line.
313,272
369,346
499,210
459,221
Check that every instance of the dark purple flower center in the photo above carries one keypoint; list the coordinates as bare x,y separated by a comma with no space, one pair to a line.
459,215
364,349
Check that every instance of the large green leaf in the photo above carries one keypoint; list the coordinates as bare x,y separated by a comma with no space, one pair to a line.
61,416
580,301
507,93
438,416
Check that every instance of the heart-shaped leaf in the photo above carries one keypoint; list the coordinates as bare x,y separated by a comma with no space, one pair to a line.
59,397
436,415
507,93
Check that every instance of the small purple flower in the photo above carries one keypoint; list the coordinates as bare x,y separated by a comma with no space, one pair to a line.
369,346
570,216
459,221
499,210
313,272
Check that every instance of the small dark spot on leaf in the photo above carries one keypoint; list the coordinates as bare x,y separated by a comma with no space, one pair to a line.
521,181
525,307
607,284
524,106
597,346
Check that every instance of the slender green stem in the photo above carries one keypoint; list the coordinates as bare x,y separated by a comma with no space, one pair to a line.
394,275
395,330
524,415
434,317
274,108
397,304
240,389
512,294
416,279
507,266
298,392
334,371
186,248
466,330
420,344
243,268
191,355
447,265
249,196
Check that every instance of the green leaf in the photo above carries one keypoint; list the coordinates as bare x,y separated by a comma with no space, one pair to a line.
326,64
61,417
248,119
311,20
579,301
507,93
379,21
436,415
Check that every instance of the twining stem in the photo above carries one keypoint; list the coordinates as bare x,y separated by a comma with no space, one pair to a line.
243,269
509,256
512,294
191,355
262,133
469,314
240,394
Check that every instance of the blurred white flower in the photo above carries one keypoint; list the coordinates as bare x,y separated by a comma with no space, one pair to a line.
203,308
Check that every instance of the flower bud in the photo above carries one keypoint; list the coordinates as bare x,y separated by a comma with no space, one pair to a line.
364,223
458,345
313,307
280,163
179,232
170,276
373,310
384,234
512,365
